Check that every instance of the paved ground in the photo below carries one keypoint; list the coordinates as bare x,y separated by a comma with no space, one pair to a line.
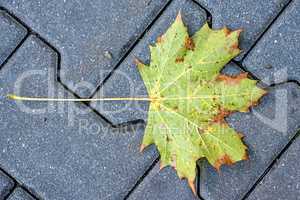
79,49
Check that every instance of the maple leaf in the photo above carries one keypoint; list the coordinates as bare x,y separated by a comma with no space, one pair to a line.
190,99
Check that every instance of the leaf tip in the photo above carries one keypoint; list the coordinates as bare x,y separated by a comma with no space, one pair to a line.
138,63
192,186
179,17
226,30
161,166
142,148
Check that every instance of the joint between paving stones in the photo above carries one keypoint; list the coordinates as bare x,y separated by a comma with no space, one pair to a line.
16,185
31,32
208,14
271,165
263,33
131,47
140,180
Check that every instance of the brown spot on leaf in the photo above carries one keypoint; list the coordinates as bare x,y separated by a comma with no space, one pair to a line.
232,80
246,156
189,44
159,39
179,60
226,31
255,103
235,46
241,136
223,160
239,32
220,117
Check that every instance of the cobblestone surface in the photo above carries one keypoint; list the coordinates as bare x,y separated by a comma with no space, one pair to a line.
67,151
90,36
163,184
6,185
283,181
20,194
60,153
11,34
275,58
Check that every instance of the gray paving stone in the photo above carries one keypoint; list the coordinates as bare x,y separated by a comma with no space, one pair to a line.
283,181
253,16
267,129
126,80
6,185
61,153
11,34
231,69
275,58
20,194
91,35
163,184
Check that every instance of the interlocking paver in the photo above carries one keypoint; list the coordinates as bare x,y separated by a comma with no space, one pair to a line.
20,194
57,153
6,185
62,154
267,129
164,184
283,181
11,34
126,80
275,58
90,35
253,16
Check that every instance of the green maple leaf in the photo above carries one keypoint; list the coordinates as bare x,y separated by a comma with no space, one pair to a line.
190,99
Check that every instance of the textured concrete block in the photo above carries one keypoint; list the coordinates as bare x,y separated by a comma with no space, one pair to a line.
126,81
91,35
20,194
6,185
283,181
62,150
267,129
253,16
11,34
164,184
275,58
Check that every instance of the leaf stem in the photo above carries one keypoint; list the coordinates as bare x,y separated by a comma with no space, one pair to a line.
25,98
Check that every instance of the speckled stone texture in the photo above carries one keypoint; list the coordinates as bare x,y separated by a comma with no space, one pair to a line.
164,185
253,16
283,181
267,128
275,58
126,80
11,34
20,194
65,151
91,36
6,185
